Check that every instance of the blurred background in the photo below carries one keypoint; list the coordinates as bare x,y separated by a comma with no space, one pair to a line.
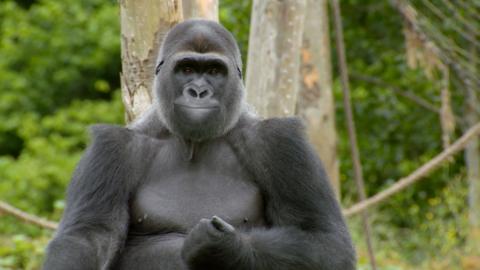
59,73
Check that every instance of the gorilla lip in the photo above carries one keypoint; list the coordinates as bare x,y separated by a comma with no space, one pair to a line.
198,107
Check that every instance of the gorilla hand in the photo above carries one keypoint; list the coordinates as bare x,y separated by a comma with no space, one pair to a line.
211,242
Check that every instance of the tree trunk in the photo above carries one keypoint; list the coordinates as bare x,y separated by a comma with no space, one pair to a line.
447,119
143,25
315,102
273,59
205,9
472,159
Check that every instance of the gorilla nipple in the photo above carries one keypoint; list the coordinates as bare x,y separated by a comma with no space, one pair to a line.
141,219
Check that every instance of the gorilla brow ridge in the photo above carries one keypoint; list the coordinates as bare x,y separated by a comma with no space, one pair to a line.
204,39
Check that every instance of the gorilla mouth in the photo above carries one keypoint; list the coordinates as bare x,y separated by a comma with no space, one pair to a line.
198,107
195,114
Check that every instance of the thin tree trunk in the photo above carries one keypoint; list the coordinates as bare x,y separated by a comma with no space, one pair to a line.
447,119
472,159
352,134
143,25
273,59
315,102
205,9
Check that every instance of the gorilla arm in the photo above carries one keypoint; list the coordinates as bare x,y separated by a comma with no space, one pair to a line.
95,223
306,229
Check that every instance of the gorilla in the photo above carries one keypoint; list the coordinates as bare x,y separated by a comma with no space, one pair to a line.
199,181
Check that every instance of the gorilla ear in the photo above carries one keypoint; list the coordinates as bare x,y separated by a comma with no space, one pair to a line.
157,69
239,72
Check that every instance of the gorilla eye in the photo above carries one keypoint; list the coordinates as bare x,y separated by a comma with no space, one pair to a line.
187,70
213,71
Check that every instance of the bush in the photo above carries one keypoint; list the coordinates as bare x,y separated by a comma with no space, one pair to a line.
53,53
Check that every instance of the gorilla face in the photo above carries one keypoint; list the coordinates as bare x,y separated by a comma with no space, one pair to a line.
198,83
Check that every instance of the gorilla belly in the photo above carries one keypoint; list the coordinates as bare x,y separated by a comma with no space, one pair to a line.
174,198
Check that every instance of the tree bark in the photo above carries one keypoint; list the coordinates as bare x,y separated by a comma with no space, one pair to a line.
144,23
204,9
273,61
472,160
315,102
472,157
447,119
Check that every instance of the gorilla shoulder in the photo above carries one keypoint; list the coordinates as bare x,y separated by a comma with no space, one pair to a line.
122,143
283,130
110,135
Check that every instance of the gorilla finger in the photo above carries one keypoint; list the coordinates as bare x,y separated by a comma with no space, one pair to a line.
221,225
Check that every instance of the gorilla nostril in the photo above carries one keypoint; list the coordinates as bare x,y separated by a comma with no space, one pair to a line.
192,93
196,93
203,94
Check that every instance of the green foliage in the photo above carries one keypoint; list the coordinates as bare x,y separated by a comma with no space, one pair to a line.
37,179
58,71
235,16
20,251
432,235
53,53
427,221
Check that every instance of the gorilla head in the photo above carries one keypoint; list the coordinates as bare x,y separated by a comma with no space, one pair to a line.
198,81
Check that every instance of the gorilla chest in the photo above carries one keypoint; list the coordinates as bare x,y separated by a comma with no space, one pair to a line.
177,193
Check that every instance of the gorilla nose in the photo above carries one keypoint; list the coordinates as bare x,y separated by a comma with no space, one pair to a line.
197,93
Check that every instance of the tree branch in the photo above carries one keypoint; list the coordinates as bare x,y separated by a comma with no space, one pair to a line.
417,174
26,217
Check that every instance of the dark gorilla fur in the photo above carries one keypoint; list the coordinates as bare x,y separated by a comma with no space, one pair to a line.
198,182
